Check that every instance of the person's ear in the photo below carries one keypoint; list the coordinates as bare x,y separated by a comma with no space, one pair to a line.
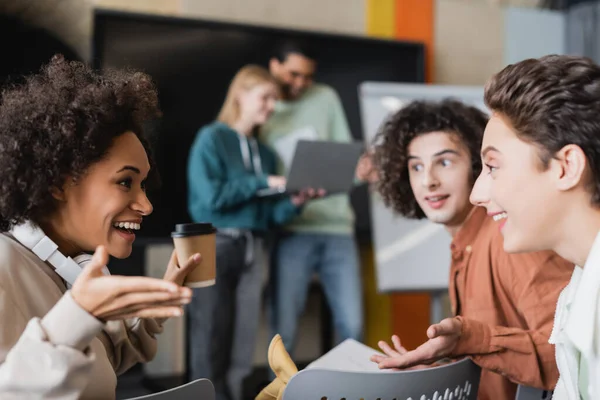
569,166
58,193
61,193
274,65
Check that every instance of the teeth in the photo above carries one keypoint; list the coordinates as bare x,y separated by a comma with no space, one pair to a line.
500,216
127,225
436,198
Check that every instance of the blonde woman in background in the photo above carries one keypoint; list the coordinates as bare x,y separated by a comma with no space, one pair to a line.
226,168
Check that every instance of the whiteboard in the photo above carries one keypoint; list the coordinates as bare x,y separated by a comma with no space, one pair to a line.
410,255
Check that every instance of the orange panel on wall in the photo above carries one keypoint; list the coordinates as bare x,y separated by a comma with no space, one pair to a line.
405,20
410,318
414,21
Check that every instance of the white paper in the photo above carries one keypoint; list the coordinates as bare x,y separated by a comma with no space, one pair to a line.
349,355
285,147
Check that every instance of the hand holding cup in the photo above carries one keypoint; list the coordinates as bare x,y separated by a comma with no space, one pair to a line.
192,240
177,272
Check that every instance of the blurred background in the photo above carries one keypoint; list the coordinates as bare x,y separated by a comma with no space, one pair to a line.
192,48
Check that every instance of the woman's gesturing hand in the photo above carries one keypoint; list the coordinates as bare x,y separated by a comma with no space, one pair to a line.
113,297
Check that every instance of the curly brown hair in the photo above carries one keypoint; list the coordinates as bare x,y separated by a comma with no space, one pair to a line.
398,131
58,123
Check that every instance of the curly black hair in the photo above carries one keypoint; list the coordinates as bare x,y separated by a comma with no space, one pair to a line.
397,132
58,123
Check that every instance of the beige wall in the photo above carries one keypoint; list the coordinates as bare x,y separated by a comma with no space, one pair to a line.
342,16
469,41
149,6
513,3
320,15
469,37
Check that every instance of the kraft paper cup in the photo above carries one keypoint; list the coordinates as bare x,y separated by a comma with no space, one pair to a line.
190,239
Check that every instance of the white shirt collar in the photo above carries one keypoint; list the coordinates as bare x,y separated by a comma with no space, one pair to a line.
582,302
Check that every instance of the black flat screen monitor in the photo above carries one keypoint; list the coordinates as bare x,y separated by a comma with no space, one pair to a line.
193,61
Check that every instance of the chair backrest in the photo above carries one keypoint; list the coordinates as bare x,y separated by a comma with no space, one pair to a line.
529,393
456,381
201,389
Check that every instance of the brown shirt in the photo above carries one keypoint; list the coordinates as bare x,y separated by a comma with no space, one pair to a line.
506,303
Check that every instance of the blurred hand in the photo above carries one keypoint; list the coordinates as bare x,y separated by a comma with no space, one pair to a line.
365,169
113,297
443,338
397,351
177,273
305,195
275,181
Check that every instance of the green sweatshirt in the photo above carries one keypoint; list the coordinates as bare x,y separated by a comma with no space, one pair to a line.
318,115
222,189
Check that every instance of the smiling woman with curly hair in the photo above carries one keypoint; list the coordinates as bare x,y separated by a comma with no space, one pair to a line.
57,125
73,169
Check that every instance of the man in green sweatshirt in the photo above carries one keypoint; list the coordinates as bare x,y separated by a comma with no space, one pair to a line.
321,239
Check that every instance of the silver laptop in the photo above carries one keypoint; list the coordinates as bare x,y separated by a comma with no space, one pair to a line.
320,165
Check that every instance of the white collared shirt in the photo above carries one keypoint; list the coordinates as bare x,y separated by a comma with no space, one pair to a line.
576,332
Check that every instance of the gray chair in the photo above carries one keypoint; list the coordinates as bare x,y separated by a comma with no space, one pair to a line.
456,381
529,393
201,389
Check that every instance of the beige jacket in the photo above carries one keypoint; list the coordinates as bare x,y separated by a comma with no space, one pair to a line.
49,346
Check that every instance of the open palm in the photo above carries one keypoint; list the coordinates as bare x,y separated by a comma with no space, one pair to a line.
443,338
112,297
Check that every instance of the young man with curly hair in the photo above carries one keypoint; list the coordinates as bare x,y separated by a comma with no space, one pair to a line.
73,170
427,159
541,178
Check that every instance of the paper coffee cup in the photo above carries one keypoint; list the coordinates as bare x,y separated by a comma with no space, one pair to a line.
190,239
